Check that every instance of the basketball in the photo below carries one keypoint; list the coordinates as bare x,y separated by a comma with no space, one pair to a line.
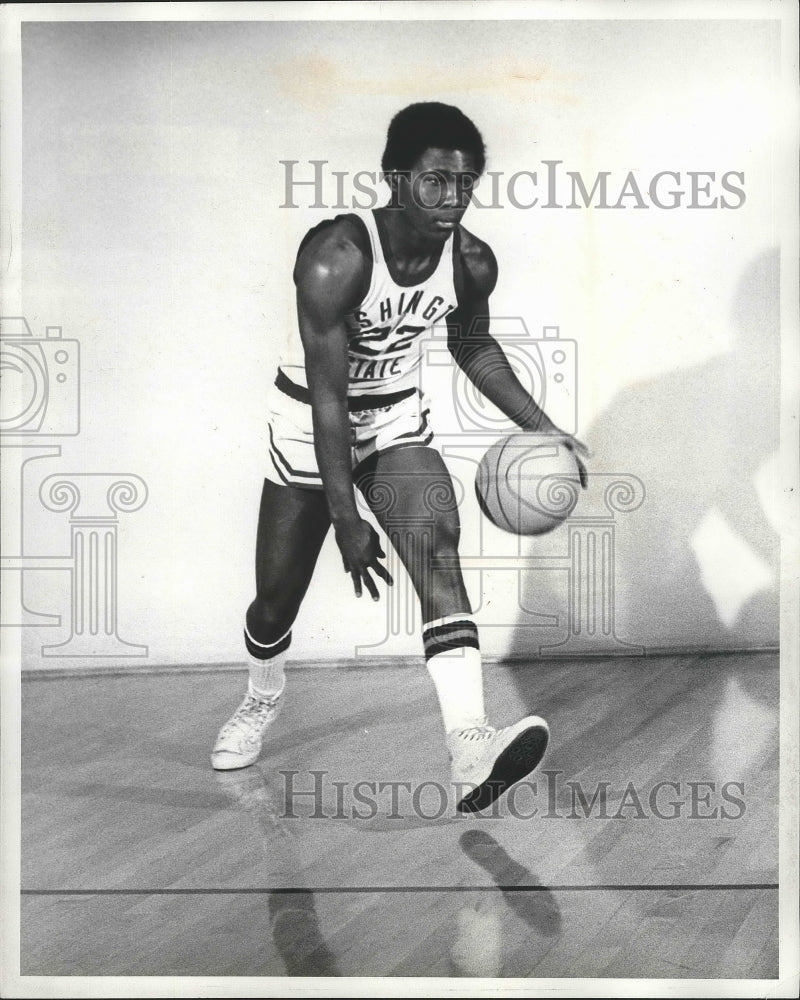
527,484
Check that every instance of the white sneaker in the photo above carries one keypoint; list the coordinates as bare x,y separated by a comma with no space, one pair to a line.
492,760
239,741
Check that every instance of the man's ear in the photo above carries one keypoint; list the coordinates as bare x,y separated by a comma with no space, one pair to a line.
395,179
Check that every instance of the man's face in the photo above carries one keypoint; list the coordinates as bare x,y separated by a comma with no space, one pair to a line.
437,191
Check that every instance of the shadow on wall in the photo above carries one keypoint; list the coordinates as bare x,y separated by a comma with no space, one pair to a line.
697,564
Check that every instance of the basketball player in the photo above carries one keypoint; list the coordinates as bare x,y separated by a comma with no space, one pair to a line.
347,410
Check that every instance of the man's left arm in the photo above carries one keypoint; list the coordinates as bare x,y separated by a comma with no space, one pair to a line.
483,360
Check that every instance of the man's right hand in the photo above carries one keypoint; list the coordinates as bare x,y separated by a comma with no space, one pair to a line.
361,552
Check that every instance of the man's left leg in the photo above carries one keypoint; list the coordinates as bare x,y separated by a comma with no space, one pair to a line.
411,494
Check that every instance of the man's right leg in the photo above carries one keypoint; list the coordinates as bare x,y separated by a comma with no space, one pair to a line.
292,526
424,529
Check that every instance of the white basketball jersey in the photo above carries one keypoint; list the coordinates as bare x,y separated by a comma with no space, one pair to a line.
386,331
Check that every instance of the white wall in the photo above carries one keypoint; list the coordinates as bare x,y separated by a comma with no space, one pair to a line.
152,233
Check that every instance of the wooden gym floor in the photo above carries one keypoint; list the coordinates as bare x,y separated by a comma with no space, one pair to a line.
138,859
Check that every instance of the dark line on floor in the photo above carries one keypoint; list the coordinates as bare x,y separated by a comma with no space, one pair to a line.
319,890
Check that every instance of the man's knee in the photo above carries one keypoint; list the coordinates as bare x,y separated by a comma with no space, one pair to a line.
269,620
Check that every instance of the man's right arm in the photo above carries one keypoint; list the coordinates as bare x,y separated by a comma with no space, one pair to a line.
330,277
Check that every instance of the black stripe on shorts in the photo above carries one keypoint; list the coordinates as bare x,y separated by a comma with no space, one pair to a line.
276,452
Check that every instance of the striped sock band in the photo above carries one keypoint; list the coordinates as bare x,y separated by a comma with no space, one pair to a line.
266,650
454,664
266,661
452,632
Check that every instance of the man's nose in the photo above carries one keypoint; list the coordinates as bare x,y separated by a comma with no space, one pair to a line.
452,196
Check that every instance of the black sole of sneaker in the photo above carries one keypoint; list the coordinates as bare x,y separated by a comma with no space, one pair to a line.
519,758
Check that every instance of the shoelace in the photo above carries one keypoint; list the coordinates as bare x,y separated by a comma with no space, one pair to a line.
476,733
252,710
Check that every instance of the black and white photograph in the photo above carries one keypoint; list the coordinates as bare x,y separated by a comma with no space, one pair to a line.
400,541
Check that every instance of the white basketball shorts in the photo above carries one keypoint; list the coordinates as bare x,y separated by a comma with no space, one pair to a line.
378,423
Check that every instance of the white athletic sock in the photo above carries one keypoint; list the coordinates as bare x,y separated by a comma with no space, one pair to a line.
266,662
454,663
